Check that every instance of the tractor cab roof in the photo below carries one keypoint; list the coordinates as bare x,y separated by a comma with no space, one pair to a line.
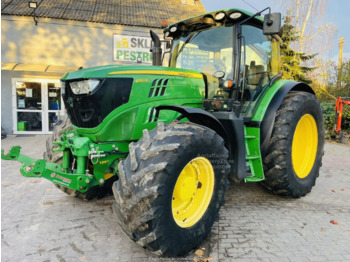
211,19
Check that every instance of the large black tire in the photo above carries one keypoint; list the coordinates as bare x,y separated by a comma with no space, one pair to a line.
56,157
144,191
280,173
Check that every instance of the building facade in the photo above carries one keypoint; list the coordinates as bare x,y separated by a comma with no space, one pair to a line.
69,35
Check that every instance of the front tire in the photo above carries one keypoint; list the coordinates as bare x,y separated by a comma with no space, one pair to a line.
294,156
171,187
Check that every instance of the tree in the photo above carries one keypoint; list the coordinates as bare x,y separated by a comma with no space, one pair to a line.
332,81
339,82
320,84
293,62
309,20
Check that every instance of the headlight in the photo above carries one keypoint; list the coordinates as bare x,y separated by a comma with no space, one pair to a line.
173,29
84,87
235,15
220,16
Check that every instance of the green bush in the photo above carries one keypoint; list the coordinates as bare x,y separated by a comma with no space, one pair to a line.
345,124
328,110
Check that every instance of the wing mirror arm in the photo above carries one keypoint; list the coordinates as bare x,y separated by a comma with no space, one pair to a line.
272,22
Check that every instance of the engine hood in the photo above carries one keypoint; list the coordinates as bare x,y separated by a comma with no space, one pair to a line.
111,71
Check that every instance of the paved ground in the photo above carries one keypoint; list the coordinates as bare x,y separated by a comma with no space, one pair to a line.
39,223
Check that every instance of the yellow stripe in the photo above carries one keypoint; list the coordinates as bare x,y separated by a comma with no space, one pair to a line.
156,72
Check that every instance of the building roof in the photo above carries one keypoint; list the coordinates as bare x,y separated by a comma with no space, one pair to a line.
148,13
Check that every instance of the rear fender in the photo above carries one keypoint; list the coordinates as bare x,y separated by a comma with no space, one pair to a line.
273,100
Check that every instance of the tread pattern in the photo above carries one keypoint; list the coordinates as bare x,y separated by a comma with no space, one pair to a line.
145,182
279,173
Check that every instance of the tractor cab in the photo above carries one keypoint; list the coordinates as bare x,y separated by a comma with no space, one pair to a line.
235,51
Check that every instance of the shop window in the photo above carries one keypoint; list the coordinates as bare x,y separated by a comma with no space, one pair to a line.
38,105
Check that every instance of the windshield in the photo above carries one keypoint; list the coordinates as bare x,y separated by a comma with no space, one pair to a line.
206,51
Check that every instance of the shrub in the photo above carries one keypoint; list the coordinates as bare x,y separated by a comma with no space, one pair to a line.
329,115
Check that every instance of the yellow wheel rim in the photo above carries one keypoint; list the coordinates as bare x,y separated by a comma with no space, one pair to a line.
304,147
193,192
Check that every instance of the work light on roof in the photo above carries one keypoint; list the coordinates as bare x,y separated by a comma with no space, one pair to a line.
235,15
173,29
219,16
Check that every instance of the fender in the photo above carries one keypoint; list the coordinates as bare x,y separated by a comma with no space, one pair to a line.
220,122
266,125
198,116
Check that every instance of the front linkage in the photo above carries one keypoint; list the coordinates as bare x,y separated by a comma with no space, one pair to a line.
85,164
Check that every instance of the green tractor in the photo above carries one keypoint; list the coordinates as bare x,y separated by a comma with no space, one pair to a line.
165,140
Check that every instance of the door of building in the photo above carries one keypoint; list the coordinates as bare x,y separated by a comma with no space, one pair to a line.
37,105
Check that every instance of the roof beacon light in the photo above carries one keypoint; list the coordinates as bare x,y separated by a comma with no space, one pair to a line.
220,16
235,15
164,23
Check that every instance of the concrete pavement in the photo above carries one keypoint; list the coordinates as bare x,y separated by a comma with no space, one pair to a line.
40,223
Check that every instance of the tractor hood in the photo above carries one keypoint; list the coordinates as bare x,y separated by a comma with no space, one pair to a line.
104,98
129,71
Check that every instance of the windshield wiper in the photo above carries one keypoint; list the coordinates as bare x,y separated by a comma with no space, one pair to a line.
191,37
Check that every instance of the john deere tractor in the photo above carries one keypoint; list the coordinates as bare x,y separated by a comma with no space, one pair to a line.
166,139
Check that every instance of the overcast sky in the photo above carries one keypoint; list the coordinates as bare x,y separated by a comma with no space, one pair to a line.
338,12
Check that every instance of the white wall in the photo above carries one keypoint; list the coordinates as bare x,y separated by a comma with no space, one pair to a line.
61,42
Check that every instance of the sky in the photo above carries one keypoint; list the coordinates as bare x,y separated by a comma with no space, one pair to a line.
337,13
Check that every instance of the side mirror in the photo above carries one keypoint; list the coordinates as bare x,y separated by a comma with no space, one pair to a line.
272,24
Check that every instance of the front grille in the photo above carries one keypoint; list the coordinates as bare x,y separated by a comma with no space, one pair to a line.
89,110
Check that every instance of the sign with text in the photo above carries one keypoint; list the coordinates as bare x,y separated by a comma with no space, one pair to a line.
130,48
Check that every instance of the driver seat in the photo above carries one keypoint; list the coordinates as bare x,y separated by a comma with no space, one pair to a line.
255,73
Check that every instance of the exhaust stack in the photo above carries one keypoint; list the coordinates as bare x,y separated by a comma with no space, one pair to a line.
156,49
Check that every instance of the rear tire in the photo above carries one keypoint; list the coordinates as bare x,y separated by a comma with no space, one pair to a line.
145,194
299,127
56,157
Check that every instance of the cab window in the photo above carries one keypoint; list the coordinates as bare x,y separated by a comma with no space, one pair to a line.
257,48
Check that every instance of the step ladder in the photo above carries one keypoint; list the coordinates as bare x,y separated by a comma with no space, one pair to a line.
253,155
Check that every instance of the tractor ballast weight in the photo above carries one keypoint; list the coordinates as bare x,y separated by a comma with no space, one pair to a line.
165,139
